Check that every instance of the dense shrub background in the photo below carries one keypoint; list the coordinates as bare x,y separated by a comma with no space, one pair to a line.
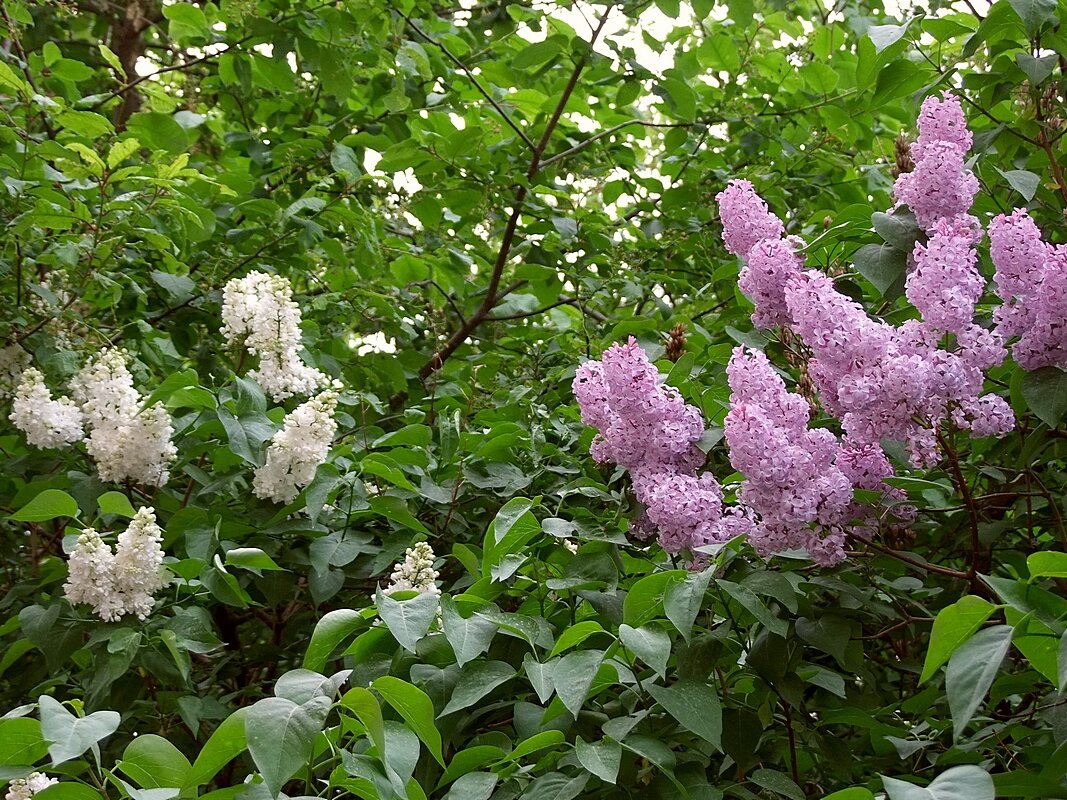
468,203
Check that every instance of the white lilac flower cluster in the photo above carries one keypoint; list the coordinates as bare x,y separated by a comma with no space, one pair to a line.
415,572
120,582
25,788
296,451
45,421
259,310
125,441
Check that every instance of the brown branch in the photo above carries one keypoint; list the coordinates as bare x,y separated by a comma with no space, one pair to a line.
437,360
173,68
499,109
952,573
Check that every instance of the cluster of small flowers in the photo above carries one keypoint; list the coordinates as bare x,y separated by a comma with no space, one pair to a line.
125,441
415,572
46,422
1031,279
13,360
123,581
259,309
648,429
25,788
798,486
797,495
884,382
940,186
296,450
753,233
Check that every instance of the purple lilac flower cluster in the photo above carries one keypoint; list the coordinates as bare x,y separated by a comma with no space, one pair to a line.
940,186
797,496
752,232
648,429
1031,279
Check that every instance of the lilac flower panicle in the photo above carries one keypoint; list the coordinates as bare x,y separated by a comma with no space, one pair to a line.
639,421
769,264
648,429
792,485
940,186
1031,280
941,120
945,284
746,219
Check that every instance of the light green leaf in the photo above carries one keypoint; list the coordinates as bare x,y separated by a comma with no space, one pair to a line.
958,783
281,735
971,671
469,636
155,763
650,643
748,599
695,706
573,676
413,704
251,558
49,504
600,758
115,503
408,620
475,682
1045,391
226,743
334,627
70,736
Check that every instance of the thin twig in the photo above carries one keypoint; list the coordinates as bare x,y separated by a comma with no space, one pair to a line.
481,89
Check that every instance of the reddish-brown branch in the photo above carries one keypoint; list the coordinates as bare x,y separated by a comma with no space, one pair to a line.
437,360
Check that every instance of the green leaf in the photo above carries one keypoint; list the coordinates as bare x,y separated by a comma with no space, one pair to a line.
69,790
1035,14
600,758
1045,391
115,503
556,786
159,131
369,712
645,599
407,620
155,763
748,599
650,643
958,783
85,123
853,793
475,682
334,627
1047,564
575,635
882,264
539,741
281,736
226,743
470,759
21,741
49,504
302,685
1061,663
573,676
954,625
187,23
513,527
415,707
469,636
1022,181
971,671
251,558
473,786
695,706
683,600
70,736
778,782
898,229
